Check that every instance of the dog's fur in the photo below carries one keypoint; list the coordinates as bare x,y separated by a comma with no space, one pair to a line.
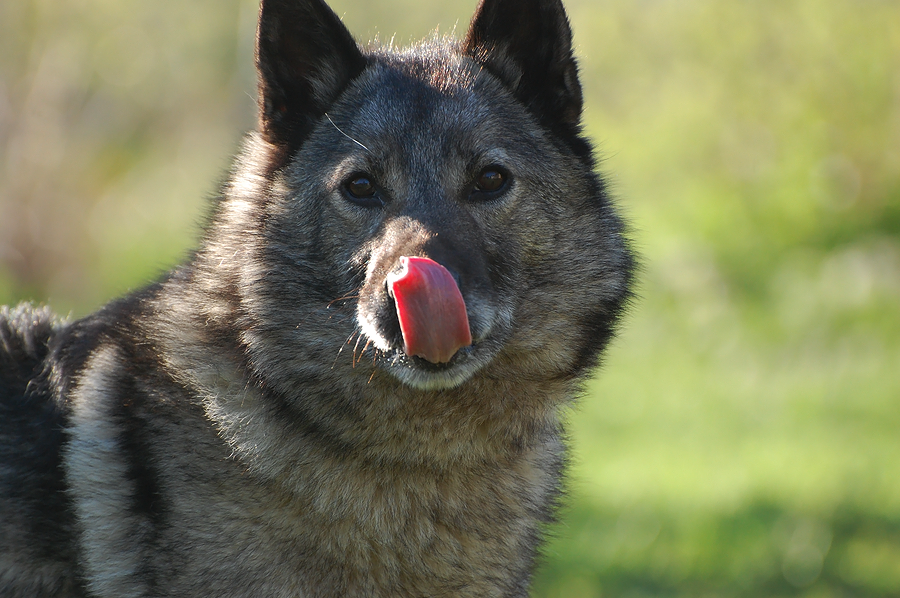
250,425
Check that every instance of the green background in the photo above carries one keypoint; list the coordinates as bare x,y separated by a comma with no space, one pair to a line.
743,437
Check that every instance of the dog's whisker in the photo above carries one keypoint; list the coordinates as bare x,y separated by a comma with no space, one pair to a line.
366,346
355,347
345,135
345,298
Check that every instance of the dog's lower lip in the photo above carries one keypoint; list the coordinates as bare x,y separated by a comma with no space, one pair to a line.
425,365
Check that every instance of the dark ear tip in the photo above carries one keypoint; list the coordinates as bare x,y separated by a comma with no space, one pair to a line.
534,24
528,45
305,57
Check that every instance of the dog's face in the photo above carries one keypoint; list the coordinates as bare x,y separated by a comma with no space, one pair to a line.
456,173
444,191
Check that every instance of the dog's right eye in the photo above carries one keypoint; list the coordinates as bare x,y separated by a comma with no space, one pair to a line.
361,190
491,183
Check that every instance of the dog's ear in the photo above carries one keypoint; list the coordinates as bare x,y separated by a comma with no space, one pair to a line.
528,45
305,57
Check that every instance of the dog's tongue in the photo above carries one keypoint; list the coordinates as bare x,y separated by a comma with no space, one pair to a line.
431,310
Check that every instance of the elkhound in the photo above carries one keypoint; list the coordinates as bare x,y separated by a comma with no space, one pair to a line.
353,387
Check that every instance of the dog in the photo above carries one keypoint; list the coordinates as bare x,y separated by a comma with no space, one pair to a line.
353,386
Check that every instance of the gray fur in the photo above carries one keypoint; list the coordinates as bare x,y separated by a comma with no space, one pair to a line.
249,425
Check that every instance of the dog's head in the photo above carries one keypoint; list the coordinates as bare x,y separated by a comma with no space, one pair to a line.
444,191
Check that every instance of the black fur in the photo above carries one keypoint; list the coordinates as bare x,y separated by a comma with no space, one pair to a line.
32,421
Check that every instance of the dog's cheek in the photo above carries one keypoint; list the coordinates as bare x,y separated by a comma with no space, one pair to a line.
538,269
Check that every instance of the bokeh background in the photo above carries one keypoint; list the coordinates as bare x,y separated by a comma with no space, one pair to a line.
743,438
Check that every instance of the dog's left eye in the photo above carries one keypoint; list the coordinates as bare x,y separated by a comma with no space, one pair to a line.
361,190
490,182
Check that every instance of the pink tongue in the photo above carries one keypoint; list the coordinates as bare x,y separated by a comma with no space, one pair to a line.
431,310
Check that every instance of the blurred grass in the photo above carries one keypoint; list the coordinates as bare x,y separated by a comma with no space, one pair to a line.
742,438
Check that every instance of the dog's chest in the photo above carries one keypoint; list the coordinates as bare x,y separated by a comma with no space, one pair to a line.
415,533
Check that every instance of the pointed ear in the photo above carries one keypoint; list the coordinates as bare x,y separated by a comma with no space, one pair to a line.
528,45
305,57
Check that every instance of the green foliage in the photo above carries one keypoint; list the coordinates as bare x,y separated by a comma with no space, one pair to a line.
741,439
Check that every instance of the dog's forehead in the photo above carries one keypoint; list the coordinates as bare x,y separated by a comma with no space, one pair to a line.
415,108
431,88
414,98
435,63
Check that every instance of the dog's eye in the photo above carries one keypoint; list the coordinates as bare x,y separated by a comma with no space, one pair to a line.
490,182
361,190
360,187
